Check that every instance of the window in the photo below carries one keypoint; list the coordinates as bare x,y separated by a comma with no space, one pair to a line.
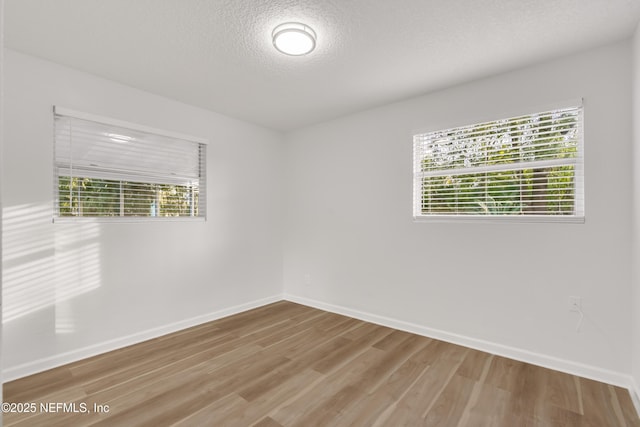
527,168
110,169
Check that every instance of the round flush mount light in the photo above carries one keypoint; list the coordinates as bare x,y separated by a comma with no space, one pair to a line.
294,38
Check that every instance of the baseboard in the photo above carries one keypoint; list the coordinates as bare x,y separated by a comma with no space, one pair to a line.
40,365
546,361
538,359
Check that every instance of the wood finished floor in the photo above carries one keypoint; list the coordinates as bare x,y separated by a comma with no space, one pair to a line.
290,365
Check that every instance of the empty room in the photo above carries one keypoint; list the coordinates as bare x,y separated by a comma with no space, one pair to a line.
320,213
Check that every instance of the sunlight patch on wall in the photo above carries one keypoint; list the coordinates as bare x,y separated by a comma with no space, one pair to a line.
28,260
65,320
77,268
46,264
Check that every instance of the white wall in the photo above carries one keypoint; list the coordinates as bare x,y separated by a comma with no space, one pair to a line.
72,290
502,287
636,221
1,149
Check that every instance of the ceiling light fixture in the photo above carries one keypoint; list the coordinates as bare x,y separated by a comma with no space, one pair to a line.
294,38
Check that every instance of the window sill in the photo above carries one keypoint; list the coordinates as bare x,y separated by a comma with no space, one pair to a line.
123,220
521,219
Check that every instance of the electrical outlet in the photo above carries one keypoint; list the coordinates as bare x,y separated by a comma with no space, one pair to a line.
575,304
307,279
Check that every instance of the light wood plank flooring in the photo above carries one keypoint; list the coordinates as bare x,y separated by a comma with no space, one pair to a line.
290,365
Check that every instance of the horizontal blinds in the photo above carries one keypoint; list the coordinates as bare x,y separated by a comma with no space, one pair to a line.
108,170
526,165
96,148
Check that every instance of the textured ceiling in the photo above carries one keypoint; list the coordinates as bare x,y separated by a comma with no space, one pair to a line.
217,54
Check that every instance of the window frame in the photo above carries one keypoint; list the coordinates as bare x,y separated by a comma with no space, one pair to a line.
122,178
578,217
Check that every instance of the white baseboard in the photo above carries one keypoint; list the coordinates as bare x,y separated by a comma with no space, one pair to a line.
538,359
40,365
546,361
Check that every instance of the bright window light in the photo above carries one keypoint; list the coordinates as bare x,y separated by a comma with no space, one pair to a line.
525,168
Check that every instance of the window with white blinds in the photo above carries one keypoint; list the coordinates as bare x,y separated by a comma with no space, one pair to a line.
105,168
526,168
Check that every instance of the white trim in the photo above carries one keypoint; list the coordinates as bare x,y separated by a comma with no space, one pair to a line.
551,362
125,219
46,363
515,219
121,123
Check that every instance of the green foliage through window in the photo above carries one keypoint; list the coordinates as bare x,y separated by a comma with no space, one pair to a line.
529,165
92,197
105,168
